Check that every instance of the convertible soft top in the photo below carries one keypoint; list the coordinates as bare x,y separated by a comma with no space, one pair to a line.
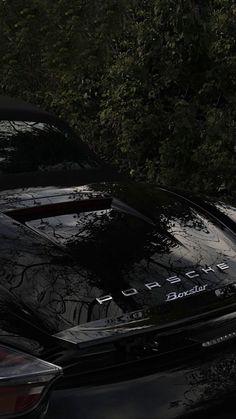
18,110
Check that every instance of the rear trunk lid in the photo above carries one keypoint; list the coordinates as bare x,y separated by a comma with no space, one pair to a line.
71,256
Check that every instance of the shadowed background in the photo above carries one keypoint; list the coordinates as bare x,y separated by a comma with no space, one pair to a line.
149,84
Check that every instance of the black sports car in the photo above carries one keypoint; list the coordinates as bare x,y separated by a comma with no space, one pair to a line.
117,300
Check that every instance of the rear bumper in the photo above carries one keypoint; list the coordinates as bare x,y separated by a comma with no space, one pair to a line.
191,389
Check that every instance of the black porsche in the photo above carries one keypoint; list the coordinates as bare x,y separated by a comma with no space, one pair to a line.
117,299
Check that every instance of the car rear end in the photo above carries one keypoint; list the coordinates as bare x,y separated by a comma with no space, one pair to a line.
189,372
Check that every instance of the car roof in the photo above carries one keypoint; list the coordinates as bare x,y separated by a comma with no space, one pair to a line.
18,110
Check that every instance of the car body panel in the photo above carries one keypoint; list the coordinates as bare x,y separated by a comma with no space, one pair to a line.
59,266
130,288
193,389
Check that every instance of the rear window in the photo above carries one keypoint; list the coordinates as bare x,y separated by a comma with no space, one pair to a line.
38,146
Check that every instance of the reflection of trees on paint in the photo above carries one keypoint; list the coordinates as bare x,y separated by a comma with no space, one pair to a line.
214,378
102,252
37,146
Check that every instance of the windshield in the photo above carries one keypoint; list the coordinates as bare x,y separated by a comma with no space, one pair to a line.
42,147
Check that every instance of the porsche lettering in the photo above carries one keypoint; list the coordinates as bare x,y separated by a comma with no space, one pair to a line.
150,286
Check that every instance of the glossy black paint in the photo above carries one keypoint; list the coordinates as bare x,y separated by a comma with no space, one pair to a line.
57,266
54,268
70,238
201,387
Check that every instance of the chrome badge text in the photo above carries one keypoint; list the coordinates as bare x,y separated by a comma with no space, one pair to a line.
171,280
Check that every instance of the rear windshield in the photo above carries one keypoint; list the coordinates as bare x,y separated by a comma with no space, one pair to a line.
38,146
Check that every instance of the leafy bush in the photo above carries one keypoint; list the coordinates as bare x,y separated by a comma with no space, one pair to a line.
149,84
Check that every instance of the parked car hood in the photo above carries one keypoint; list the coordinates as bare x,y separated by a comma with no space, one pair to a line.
74,256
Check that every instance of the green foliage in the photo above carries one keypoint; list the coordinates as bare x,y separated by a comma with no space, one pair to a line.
149,84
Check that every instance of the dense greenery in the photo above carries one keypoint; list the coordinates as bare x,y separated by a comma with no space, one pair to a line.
149,84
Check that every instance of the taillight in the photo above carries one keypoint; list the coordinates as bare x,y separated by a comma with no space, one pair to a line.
24,380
